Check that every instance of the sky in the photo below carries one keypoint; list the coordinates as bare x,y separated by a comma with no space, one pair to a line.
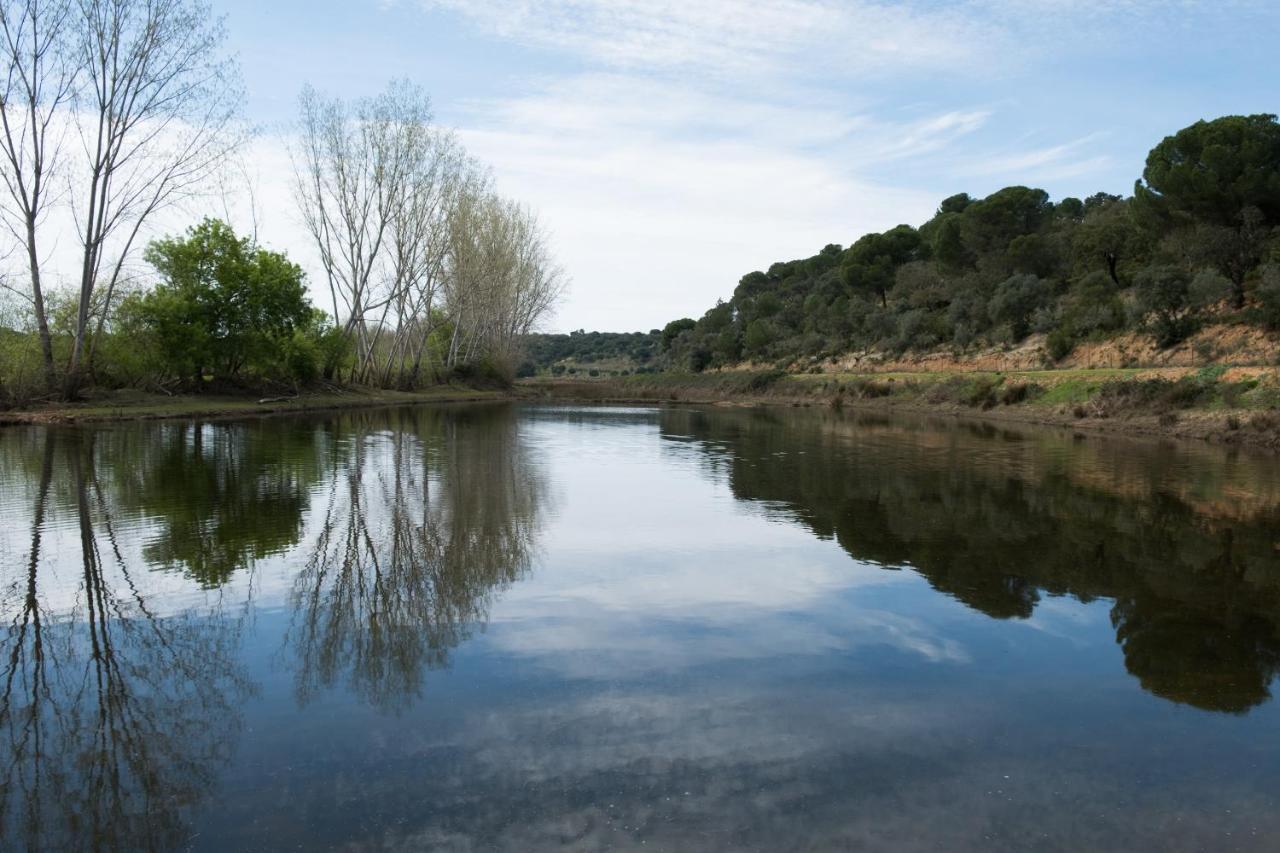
671,146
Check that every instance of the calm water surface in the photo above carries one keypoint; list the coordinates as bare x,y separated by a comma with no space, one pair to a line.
521,629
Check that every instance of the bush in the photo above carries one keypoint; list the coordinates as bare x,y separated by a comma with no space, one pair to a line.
1164,300
21,367
1020,392
760,381
1268,294
867,389
1059,344
1016,301
482,373
982,393
300,357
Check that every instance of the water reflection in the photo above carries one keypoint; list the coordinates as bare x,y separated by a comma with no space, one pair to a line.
205,628
1187,548
421,522
223,496
115,720
123,691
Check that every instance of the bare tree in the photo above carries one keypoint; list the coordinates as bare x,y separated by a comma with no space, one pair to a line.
502,279
39,81
420,242
408,230
371,179
156,118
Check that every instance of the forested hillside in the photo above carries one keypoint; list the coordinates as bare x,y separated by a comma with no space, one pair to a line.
582,351
1196,242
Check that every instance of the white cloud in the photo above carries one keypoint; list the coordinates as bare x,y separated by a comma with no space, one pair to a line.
1048,162
728,37
694,142
661,195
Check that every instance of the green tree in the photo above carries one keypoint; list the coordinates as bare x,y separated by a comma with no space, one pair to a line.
1269,295
1212,170
757,337
674,329
224,304
1222,175
948,242
1108,236
991,224
955,204
1164,300
1017,300
1033,253
871,263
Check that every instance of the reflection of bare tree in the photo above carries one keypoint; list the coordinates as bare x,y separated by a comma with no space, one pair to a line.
114,720
422,523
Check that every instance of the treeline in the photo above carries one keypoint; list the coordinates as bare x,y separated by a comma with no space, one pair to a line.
1196,241
614,352
425,270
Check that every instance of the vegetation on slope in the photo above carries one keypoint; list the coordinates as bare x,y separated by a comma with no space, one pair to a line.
1196,243
590,353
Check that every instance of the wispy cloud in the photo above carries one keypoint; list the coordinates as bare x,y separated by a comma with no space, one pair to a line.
1067,159
675,145
726,36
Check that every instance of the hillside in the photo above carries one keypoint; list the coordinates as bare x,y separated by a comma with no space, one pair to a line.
1107,279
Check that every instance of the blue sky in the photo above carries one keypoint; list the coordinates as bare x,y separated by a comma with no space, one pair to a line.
671,146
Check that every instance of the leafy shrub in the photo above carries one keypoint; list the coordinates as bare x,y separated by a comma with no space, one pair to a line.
1020,392
1016,301
1163,299
1268,294
982,392
1059,344
867,389
483,373
757,382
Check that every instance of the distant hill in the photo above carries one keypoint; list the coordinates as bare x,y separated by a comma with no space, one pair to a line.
1197,243
605,353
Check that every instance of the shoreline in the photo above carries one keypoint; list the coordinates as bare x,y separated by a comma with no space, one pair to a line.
1257,429
219,407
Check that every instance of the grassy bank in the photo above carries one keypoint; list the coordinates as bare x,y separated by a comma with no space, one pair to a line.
1218,403
133,405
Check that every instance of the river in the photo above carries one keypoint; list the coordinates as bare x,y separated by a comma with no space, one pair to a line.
522,628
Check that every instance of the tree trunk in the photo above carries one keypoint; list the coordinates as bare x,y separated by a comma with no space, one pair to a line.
1237,291
42,319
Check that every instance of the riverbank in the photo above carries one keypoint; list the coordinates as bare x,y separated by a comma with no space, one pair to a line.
1225,405
1220,404
133,405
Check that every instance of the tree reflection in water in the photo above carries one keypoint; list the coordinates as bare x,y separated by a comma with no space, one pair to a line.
426,515
115,719
223,496
117,709
1186,548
